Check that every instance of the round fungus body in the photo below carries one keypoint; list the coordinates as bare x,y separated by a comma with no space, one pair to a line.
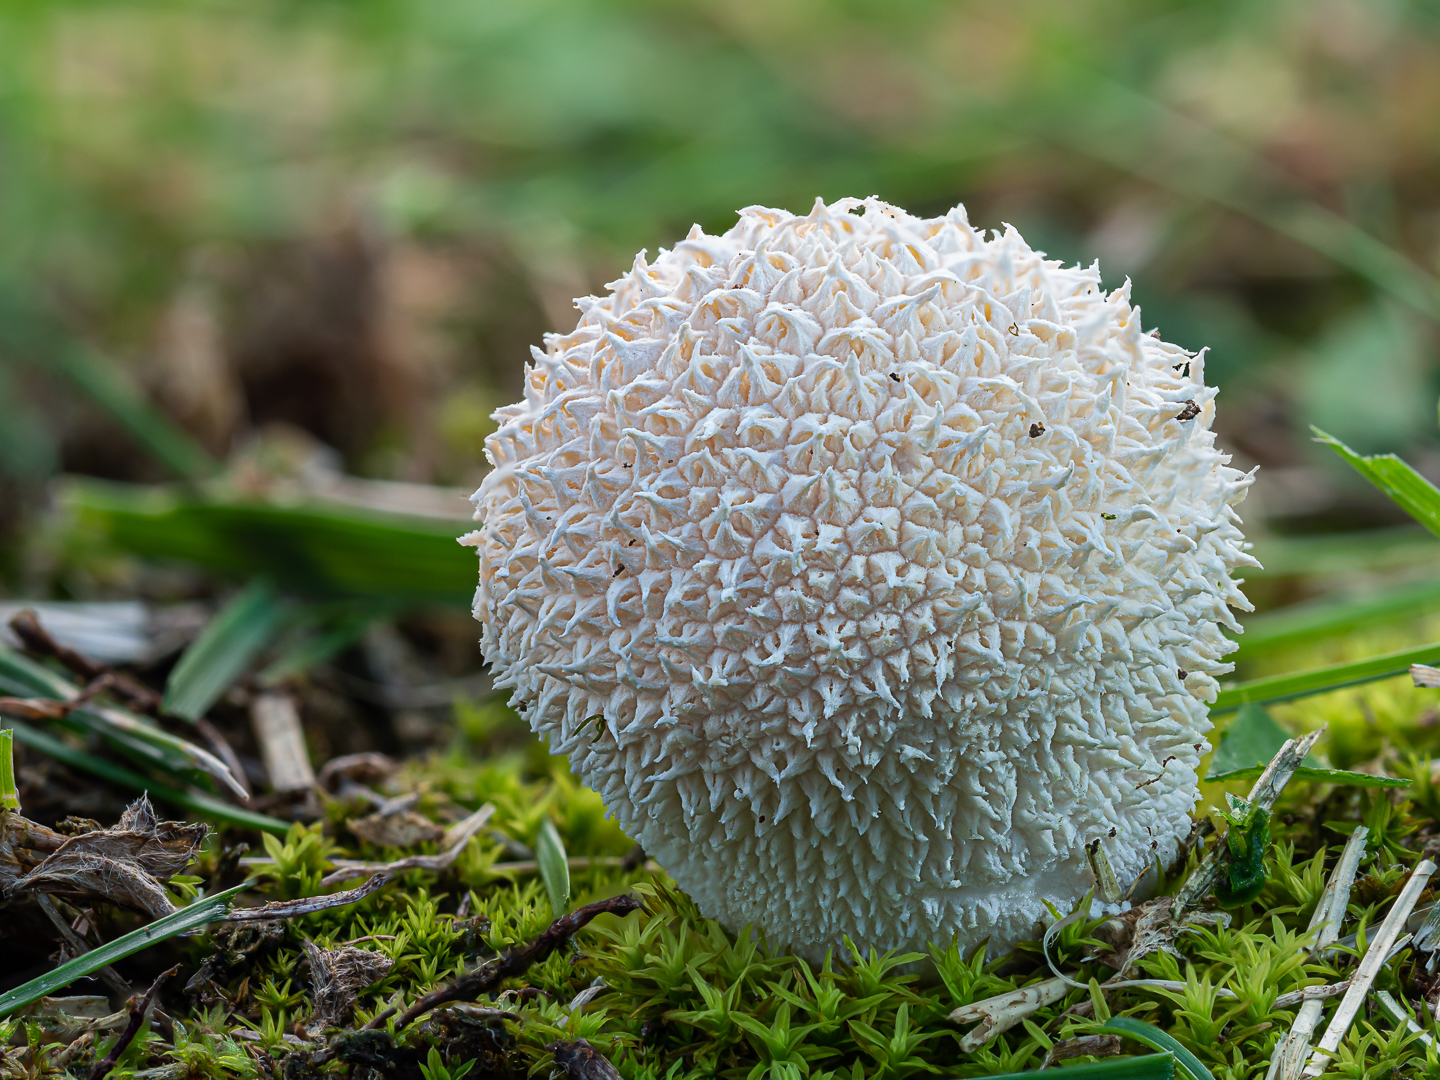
868,568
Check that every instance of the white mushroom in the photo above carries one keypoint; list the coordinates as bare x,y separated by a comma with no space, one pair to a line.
869,569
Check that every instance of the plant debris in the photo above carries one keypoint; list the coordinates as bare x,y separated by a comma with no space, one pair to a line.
336,977
125,865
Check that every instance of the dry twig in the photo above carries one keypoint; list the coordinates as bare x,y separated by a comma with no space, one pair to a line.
138,1008
1288,1058
1375,957
455,839
308,905
516,961
1002,1012
77,944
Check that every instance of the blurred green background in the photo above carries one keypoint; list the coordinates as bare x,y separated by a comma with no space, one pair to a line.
286,242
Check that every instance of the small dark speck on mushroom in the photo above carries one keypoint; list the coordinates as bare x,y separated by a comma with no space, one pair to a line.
1112,832
1154,332
1183,674
618,569
895,376
761,819
1036,430
632,543
1190,411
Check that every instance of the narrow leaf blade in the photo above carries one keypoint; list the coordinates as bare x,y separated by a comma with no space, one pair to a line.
1148,1067
186,919
1253,738
316,549
9,793
1311,622
137,737
201,805
1300,684
554,866
317,648
224,649
1407,488
1129,1028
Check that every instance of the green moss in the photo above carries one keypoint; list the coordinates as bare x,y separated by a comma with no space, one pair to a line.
671,995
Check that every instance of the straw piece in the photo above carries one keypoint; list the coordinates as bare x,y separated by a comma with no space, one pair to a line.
1330,912
1263,795
1002,1012
1290,1054
276,723
1374,959
1398,1013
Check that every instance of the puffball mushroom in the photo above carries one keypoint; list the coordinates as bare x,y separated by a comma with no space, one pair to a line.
869,569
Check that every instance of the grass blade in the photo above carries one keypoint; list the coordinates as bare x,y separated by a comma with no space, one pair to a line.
214,660
1407,488
102,382
138,738
9,793
1222,170
187,918
554,866
1313,622
1129,1028
319,549
1364,550
27,336
1149,1067
1253,738
196,803
316,648
1300,684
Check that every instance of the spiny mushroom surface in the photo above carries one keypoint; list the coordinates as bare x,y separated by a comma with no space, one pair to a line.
868,568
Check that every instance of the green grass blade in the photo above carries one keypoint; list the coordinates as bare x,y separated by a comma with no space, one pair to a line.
554,866
1300,684
1219,169
1128,1027
9,793
1313,622
140,739
214,660
1410,491
317,648
317,549
201,805
103,382
1149,1067
1343,553
27,336
186,919
1253,738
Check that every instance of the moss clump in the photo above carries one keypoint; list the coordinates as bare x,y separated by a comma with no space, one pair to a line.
666,993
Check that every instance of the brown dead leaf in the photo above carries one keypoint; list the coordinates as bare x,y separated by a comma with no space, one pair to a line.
24,845
402,830
581,1061
338,976
1147,928
125,865
368,768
